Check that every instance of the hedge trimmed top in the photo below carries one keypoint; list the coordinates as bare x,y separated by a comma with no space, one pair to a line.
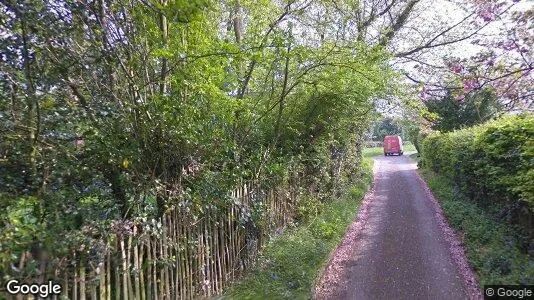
492,163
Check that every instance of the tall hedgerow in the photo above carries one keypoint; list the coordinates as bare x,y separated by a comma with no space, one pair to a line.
493,164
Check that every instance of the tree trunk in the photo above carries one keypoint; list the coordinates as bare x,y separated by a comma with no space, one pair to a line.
163,26
32,112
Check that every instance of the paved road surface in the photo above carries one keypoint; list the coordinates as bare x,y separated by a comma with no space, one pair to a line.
396,249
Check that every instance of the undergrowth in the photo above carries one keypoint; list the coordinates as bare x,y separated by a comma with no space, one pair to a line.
290,263
492,247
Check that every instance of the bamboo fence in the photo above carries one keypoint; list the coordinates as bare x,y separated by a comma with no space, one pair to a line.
183,255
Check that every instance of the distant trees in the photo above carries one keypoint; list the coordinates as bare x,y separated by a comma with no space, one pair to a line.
448,113
383,127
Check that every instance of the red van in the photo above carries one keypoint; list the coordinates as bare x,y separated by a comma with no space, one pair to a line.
392,144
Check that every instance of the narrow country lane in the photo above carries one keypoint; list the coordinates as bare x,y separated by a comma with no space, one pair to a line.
399,247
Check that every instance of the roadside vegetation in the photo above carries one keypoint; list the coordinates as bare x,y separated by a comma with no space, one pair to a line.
373,151
483,178
167,141
291,263
172,136
491,246
376,151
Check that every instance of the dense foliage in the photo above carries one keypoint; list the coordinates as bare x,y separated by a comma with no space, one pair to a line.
448,113
492,164
277,276
383,127
119,110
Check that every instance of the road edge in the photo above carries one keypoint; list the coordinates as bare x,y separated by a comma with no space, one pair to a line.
352,233
455,246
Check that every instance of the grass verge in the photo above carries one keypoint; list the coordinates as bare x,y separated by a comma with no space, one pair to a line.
289,265
377,151
368,153
409,148
491,247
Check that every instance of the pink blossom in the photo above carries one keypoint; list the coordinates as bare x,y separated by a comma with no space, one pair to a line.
487,15
487,12
456,67
509,45
470,84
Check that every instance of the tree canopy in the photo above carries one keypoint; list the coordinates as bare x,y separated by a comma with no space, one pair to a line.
123,110
448,113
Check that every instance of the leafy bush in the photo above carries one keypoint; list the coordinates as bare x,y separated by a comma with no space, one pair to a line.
474,109
102,129
291,262
491,163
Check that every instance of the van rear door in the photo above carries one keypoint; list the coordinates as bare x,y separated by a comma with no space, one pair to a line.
392,144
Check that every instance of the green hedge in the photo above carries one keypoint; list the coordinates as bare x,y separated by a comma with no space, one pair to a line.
492,163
